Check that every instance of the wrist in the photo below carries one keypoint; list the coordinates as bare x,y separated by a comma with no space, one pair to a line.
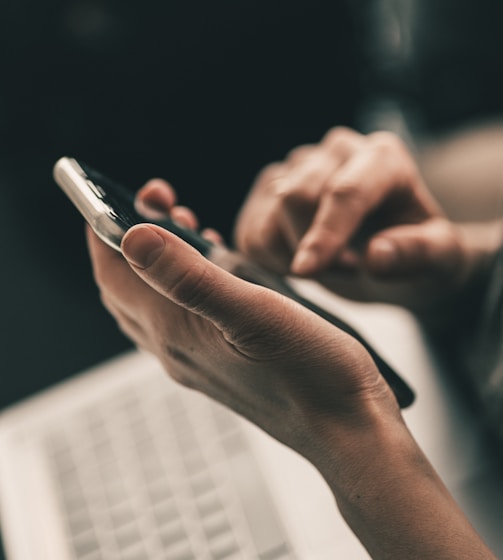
392,498
369,447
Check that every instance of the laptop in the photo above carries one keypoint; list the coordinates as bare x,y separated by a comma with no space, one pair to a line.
122,463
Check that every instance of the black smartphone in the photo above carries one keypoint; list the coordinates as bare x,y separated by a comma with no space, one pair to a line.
109,209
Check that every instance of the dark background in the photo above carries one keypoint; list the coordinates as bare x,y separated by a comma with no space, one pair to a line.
203,94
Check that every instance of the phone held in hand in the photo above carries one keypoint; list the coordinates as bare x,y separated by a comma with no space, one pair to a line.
109,209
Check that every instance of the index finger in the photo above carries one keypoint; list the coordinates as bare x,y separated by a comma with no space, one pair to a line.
155,199
350,195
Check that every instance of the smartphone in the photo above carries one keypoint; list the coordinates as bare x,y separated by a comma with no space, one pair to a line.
109,209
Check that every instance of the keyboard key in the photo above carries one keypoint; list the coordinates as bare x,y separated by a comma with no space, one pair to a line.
165,512
115,492
127,536
85,544
153,466
202,484
223,546
136,553
172,532
216,524
208,504
180,550
260,515
281,552
122,515
195,463
96,555
224,419
80,522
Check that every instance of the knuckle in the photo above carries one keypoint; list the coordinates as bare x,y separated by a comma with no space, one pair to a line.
339,137
271,179
300,153
303,184
252,337
270,172
387,143
192,288
390,149
297,194
345,193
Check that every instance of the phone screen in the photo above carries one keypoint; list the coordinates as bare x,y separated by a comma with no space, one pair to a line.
120,208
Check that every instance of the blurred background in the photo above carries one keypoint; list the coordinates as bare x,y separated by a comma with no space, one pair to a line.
204,94
201,93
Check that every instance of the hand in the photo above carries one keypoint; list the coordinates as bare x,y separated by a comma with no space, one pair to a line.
296,376
261,354
354,213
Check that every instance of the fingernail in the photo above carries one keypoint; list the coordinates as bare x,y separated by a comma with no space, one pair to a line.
384,254
304,262
142,246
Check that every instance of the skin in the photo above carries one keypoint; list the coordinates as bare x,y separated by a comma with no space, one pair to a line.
300,379
354,213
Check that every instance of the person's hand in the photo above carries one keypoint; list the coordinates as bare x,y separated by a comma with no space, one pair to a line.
290,372
261,354
353,212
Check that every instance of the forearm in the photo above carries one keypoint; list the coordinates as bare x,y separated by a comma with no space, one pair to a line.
396,504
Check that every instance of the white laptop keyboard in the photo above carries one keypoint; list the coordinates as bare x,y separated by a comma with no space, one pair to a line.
154,474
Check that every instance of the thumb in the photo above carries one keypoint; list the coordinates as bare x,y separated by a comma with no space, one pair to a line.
180,273
428,247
